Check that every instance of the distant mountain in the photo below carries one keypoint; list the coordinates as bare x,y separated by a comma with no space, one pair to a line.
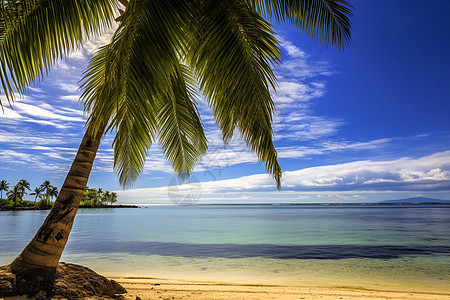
416,200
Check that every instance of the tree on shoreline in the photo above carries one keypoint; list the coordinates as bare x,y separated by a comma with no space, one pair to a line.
37,194
113,198
96,197
142,85
46,187
91,197
22,187
14,194
53,192
4,186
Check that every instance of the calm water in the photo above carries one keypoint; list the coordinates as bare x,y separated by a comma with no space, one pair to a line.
386,247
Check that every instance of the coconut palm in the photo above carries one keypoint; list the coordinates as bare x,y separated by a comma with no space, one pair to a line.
46,187
143,84
99,197
23,186
106,197
53,192
4,186
113,198
37,193
14,195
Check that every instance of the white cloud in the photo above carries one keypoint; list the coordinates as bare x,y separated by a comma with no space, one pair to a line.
424,173
39,112
427,173
10,114
291,49
74,98
300,82
31,138
14,156
35,90
68,87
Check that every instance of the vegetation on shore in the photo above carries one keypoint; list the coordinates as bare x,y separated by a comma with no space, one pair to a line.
97,198
44,194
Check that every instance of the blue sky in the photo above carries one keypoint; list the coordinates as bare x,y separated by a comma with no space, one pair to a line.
370,123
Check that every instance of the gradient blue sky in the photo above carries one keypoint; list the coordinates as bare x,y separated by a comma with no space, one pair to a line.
370,123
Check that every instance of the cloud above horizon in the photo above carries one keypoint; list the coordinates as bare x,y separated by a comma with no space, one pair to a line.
425,174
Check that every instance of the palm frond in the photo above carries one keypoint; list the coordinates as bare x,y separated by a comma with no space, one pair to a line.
327,20
99,89
232,55
181,133
126,78
34,34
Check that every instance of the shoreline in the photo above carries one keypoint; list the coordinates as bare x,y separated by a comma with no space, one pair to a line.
156,288
21,208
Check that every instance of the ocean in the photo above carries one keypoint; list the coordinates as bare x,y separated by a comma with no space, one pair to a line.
378,247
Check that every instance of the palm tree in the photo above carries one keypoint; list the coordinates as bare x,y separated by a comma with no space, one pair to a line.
113,198
143,84
4,186
53,192
99,197
106,197
37,194
46,187
14,194
22,186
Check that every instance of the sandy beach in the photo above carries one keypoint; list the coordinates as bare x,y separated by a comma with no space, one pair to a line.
170,289
146,288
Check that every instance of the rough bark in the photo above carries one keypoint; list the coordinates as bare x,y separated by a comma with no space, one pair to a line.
35,267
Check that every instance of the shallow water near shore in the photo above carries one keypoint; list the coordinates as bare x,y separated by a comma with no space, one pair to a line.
403,248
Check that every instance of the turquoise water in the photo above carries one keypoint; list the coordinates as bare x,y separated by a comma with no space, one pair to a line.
383,247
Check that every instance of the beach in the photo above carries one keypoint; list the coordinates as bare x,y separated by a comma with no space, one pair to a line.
146,288
154,288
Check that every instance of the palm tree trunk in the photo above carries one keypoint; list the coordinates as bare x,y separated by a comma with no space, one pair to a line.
35,267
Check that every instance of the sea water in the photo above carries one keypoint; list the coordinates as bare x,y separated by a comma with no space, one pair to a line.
378,247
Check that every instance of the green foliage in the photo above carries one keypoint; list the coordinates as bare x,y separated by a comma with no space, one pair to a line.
326,20
35,34
4,186
26,203
44,202
22,187
142,85
15,196
37,193
97,198
5,202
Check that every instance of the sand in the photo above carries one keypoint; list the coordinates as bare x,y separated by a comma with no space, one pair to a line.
145,289
165,289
